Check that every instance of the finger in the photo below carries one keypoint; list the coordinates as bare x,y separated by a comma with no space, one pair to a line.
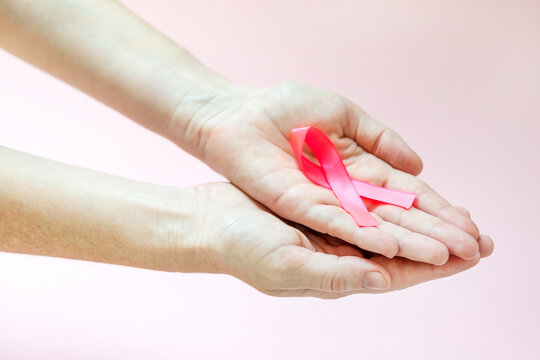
335,221
383,142
331,245
368,168
406,273
306,269
486,245
416,246
429,201
457,241
463,211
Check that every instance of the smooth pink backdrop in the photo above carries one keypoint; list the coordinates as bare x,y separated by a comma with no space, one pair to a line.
460,80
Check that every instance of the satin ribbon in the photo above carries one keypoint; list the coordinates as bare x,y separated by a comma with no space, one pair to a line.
333,175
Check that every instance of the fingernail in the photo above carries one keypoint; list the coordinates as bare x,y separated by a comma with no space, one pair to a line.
374,281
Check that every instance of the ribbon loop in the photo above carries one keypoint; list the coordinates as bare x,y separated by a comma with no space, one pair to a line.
333,175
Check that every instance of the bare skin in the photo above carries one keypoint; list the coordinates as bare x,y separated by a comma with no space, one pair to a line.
106,51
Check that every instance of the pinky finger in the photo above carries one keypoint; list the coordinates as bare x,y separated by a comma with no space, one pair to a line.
486,245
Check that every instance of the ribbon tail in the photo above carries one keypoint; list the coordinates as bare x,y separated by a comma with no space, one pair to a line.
389,196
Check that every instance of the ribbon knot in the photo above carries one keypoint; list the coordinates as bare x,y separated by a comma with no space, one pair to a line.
333,175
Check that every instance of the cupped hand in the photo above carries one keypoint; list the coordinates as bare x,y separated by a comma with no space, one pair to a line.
244,136
241,238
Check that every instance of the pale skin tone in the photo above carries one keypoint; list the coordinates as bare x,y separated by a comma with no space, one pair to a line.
271,227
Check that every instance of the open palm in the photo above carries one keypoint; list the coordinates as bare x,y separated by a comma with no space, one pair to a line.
246,140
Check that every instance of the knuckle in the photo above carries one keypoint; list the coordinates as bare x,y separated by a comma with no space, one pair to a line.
422,189
334,282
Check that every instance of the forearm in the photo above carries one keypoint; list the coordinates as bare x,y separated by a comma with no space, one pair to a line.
108,52
48,208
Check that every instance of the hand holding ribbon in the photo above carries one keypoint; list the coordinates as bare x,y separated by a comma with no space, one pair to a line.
244,135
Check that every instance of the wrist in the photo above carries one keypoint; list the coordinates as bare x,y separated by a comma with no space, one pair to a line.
208,95
178,223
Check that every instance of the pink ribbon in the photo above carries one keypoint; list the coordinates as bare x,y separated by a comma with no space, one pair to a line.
333,175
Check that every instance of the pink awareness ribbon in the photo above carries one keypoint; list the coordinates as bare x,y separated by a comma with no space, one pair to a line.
333,175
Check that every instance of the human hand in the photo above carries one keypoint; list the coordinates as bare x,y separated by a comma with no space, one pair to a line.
237,236
243,134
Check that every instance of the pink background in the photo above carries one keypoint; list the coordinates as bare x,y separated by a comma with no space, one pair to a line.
460,80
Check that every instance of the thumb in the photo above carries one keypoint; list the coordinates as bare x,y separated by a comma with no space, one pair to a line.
386,144
336,274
